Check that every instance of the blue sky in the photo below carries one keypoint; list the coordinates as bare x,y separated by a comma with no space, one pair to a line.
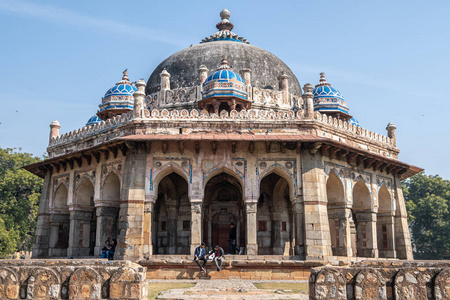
390,59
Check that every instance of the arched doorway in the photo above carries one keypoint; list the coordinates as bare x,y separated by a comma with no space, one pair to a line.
83,221
223,204
362,217
59,223
171,226
274,217
385,224
337,215
107,211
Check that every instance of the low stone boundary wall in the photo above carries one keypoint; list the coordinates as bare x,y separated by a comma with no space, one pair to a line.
72,279
234,267
418,280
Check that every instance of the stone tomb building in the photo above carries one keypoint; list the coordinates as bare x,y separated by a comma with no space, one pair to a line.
223,132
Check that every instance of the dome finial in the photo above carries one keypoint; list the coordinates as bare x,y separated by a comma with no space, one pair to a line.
224,64
225,15
125,75
322,80
225,24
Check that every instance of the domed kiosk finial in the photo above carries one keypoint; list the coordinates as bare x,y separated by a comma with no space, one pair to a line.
125,75
225,24
225,14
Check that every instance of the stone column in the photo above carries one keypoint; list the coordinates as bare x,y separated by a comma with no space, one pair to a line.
196,223
58,244
131,215
149,215
348,236
79,233
172,230
386,219
40,247
106,226
402,237
367,239
250,209
317,229
299,246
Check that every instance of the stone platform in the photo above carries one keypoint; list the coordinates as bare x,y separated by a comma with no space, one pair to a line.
251,267
72,279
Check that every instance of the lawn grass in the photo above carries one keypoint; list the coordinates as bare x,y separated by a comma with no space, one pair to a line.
302,288
157,287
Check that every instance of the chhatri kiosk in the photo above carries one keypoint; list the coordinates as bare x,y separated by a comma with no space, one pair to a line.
223,132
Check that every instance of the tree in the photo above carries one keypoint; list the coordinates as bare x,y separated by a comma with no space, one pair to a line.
19,200
428,204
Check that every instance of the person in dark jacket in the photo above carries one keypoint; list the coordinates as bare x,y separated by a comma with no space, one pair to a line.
105,250
200,255
232,249
218,256
112,249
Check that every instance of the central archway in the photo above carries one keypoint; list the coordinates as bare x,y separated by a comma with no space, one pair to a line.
223,204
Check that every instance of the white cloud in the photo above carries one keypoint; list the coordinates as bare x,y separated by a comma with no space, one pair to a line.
62,16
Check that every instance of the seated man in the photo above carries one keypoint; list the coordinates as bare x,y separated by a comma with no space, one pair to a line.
200,254
104,253
111,250
218,256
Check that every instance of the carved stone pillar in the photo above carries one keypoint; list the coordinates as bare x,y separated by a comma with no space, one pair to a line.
149,208
366,234
317,229
299,246
196,223
402,237
131,216
386,235
80,233
250,208
40,247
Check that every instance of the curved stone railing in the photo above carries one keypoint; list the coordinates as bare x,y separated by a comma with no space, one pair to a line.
252,114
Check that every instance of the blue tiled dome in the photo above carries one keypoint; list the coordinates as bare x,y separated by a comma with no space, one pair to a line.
93,120
353,121
224,75
121,89
224,83
325,91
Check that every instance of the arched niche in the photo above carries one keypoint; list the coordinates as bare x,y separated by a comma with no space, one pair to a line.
111,189
222,205
171,225
83,220
361,216
59,223
385,224
337,215
274,217
60,200
84,196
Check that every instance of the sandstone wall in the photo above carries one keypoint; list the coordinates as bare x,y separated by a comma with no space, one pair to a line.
71,279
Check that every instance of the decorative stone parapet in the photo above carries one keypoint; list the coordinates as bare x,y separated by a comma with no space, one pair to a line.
194,115
72,279
382,280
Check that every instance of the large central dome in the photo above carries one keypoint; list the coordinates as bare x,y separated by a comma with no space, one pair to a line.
183,66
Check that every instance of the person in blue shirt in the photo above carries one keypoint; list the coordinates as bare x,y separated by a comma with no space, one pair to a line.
200,254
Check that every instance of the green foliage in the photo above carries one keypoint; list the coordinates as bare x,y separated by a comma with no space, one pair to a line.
19,200
428,204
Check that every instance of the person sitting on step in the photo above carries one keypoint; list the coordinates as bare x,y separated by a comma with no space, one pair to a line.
218,256
112,249
200,255
104,253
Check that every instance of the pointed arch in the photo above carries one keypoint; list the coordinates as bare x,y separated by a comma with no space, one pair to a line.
60,198
283,173
361,196
384,200
84,195
335,189
222,168
111,189
166,170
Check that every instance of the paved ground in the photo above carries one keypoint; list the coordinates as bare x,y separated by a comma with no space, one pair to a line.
228,289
